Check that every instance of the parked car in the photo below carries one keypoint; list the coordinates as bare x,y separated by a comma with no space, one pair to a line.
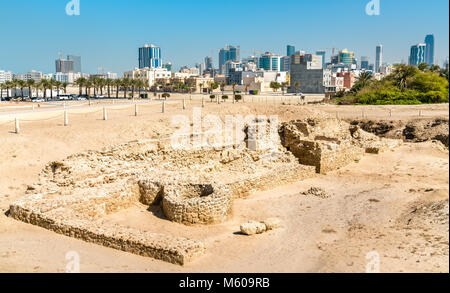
38,100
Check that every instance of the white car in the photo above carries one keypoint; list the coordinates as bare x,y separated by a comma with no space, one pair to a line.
38,101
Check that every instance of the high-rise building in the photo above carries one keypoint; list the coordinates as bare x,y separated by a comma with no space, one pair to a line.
64,66
229,53
208,63
379,58
76,62
429,50
150,57
417,55
365,63
346,57
323,54
270,62
200,67
290,50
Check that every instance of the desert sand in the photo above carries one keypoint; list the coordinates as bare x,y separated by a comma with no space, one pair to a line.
394,203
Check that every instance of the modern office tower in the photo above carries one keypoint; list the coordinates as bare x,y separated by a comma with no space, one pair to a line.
64,66
417,55
208,63
168,66
379,58
270,62
286,63
290,50
365,63
229,53
346,57
150,57
429,50
323,54
76,62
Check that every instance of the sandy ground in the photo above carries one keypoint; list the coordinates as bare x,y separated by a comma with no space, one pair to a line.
395,203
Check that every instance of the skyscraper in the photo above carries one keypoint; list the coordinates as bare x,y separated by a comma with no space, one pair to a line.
290,50
429,50
323,54
150,56
64,66
76,62
417,55
379,58
365,62
229,53
208,63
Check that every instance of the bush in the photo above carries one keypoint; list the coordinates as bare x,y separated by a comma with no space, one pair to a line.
238,97
165,95
225,97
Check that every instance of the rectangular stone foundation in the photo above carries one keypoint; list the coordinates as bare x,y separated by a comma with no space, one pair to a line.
174,250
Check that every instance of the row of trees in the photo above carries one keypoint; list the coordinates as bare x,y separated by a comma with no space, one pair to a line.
406,85
31,84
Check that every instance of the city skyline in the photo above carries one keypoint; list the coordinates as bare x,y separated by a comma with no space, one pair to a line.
114,47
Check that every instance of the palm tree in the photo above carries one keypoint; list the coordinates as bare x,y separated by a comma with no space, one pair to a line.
14,85
31,83
51,84
402,75
8,86
44,84
117,83
109,83
234,91
125,84
58,86
2,87
80,83
88,84
364,79
21,84
64,86
284,86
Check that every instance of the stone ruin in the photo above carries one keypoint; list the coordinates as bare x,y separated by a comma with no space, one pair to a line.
329,144
73,197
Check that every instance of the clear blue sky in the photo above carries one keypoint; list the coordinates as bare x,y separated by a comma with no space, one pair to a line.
108,32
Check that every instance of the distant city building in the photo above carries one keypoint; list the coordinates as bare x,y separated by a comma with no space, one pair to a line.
76,62
68,77
151,75
378,58
309,75
64,66
208,63
168,66
5,76
150,57
229,65
417,54
290,50
32,75
286,63
365,63
270,62
200,67
323,54
429,50
346,57
229,53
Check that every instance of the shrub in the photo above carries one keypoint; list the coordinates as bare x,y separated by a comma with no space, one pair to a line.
225,97
238,98
166,95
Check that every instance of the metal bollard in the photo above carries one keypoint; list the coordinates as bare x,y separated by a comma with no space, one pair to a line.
184,104
105,114
136,110
203,102
17,124
163,107
66,118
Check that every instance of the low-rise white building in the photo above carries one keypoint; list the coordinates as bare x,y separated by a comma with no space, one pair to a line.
5,76
148,74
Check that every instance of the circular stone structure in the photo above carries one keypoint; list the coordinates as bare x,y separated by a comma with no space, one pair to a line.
192,204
